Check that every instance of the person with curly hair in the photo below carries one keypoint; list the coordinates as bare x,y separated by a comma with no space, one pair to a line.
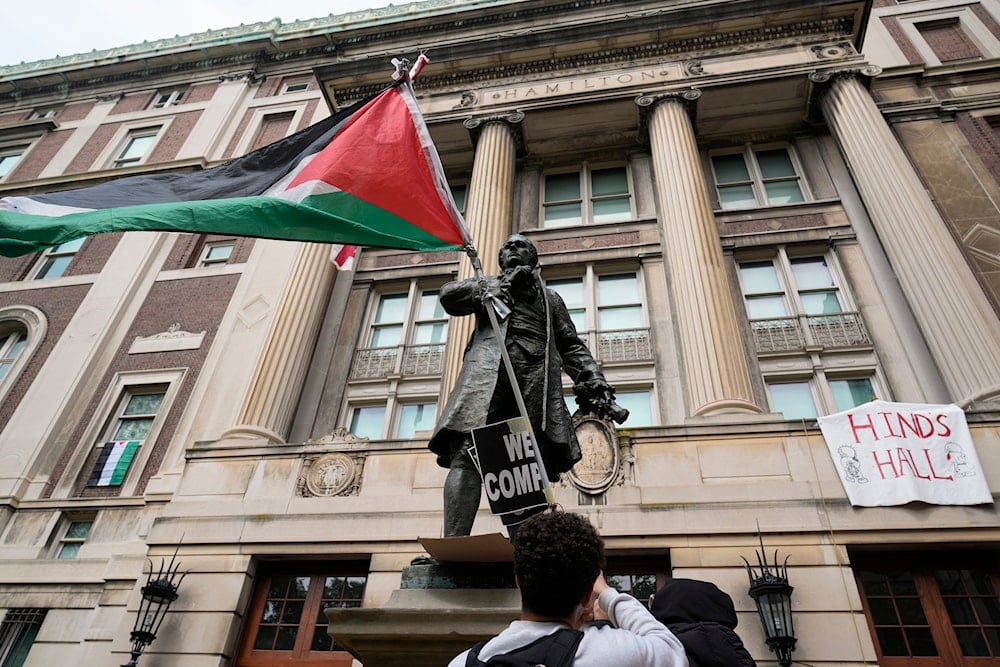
558,563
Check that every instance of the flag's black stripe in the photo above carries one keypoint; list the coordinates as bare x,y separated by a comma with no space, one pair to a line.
246,176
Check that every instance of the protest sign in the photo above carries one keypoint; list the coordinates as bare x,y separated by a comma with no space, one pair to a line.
505,454
894,453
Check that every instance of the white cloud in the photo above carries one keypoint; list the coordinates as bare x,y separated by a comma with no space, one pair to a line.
36,30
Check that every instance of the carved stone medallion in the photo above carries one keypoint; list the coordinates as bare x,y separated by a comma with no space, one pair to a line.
601,464
331,475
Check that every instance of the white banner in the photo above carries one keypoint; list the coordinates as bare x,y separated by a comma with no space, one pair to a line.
895,453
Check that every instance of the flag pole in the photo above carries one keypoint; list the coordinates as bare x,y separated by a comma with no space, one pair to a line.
490,303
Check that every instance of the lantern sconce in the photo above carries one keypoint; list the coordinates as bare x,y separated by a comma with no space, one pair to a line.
773,596
158,594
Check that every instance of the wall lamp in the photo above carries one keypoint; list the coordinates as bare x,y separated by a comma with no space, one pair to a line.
773,596
158,594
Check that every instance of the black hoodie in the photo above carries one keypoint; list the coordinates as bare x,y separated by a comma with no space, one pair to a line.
703,618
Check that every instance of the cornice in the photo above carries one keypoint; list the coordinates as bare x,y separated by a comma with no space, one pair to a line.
263,44
695,48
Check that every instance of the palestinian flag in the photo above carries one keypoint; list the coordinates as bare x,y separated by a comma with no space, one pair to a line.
113,462
368,175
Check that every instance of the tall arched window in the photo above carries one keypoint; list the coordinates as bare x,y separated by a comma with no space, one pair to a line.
22,329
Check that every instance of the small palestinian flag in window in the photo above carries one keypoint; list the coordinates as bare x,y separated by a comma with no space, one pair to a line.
113,462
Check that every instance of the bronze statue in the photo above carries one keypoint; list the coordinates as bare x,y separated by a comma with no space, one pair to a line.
541,341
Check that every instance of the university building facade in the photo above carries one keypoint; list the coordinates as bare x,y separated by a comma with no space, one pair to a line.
757,214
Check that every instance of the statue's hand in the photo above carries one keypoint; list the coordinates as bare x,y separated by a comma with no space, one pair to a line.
597,397
518,282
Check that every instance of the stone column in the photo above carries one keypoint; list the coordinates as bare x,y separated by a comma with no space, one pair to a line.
961,329
714,361
488,213
273,393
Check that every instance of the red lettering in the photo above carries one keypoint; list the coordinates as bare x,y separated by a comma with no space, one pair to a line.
890,463
905,457
920,426
927,455
945,430
856,427
888,424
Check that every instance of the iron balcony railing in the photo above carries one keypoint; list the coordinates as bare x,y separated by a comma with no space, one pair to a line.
404,360
787,334
623,345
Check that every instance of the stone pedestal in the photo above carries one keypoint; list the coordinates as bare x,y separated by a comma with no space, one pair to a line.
439,611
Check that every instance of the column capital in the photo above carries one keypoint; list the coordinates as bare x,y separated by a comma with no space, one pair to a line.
820,80
686,95
648,101
512,119
821,76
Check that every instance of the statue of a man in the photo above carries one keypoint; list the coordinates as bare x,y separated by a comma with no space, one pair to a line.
542,341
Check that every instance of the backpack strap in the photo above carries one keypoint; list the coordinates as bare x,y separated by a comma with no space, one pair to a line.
472,660
554,650
562,648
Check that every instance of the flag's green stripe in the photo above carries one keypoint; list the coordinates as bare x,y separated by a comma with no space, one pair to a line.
121,468
329,218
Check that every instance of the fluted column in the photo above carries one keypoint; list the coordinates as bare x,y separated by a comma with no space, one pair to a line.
715,365
961,329
269,404
489,215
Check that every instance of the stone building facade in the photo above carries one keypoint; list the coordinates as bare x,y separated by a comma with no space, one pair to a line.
758,213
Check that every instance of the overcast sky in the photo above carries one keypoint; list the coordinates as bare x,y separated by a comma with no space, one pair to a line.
41,29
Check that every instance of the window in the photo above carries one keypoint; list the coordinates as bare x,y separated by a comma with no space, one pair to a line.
852,392
794,400
295,86
54,261
801,399
11,346
757,177
215,254
638,575
9,157
407,335
42,114
415,417
167,97
588,196
804,326
22,330
794,302
607,310
74,534
130,425
18,630
638,402
948,40
368,421
286,622
136,147
931,608
639,406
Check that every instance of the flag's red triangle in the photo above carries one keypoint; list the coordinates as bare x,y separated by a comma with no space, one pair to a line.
377,156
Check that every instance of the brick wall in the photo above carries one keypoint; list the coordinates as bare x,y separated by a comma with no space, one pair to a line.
195,305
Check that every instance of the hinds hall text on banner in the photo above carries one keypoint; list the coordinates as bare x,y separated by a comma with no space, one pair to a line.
895,453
